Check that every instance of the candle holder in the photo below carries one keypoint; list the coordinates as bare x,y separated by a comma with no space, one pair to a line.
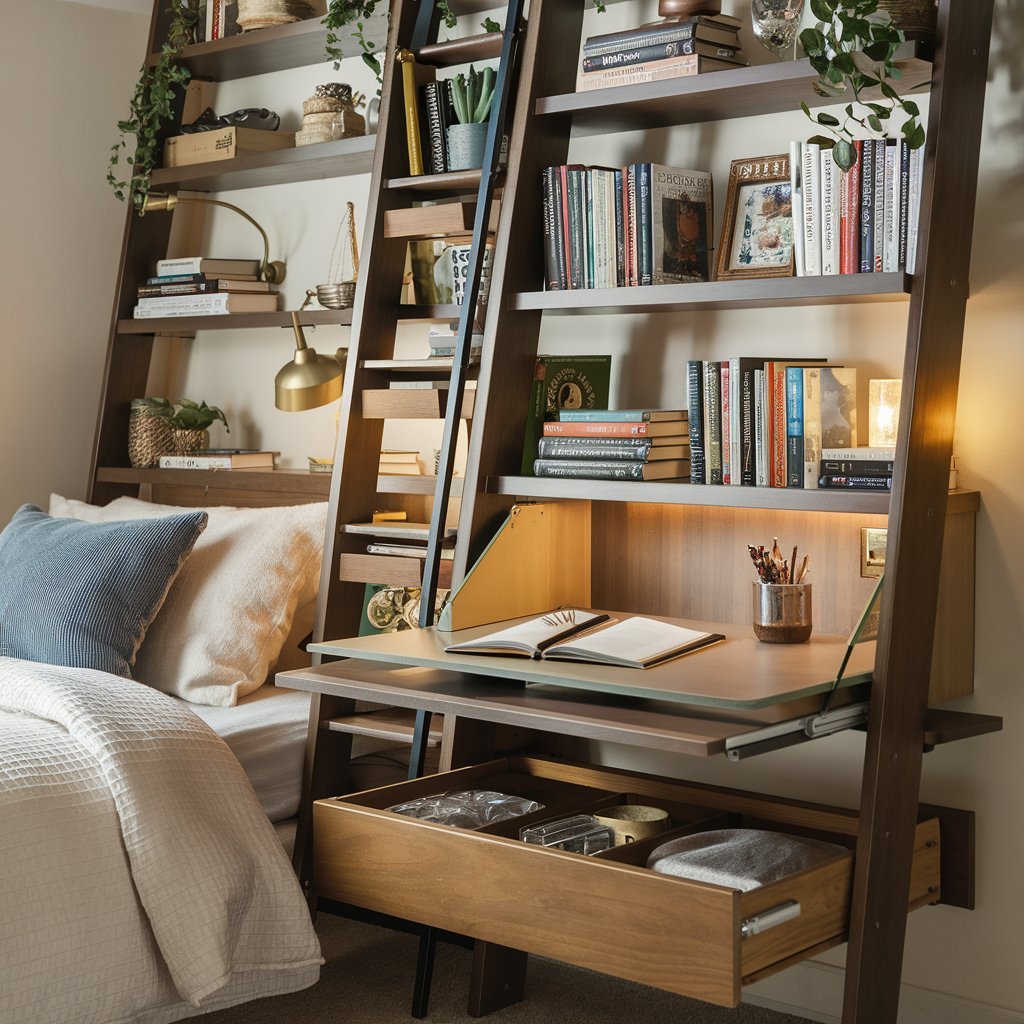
883,412
782,612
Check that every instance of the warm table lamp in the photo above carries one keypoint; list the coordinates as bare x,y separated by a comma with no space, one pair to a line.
272,271
883,412
309,380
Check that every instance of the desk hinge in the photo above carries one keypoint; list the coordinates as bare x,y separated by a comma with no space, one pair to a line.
796,730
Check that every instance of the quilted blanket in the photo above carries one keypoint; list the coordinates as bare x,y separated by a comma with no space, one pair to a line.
139,879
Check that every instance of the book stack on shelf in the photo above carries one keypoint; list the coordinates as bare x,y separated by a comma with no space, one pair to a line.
398,462
197,286
672,48
866,469
615,444
441,341
220,458
767,423
610,227
862,221
401,539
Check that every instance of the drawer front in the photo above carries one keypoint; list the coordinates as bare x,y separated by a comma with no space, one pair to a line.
601,913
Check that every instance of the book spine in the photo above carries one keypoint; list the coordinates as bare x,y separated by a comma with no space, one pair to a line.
794,426
557,229
641,74
735,439
552,228
867,184
148,291
216,302
668,33
812,425
776,382
629,56
577,268
620,230
619,448
563,190
606,415
187,265
861,483
851,214
810,202
432,103
583,469
412,118
713,421
587,222
760,430
914,207
865,453
612,207
748,467
878,197
632,227
645,223
552,428
726,405
891,233
856,467
830,189
194,462
796,166
177,279
904,205
695,409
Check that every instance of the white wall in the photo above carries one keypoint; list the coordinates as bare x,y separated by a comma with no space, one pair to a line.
66,72
46,430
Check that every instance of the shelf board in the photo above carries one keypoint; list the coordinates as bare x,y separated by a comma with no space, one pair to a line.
407,311
394,484
390,724
185,325
449,183
752,293
412,403
267,50
484,46
945,726
441,368
292,480
715,96
277,167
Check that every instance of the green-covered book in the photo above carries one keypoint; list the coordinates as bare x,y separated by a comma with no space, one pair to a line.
563,382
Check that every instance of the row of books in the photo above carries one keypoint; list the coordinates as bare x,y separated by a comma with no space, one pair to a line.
637,225
765,423
671,48
615,444
862,221
200,286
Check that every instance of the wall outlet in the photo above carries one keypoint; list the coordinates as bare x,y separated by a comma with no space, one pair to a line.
872,552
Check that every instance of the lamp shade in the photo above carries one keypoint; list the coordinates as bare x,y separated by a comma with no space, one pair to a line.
309,380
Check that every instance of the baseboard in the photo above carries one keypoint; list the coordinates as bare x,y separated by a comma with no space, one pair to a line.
815,992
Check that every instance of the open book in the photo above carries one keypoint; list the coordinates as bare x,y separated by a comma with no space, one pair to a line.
575,635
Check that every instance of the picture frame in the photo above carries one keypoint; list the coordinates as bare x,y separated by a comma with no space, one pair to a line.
757,229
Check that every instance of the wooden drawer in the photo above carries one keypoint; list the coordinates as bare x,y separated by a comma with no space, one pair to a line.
605,912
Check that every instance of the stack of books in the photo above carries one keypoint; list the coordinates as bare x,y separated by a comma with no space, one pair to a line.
441,340
672,48
220,458
615,444
767,423
862,221
396,462
638,225
863,469
198,286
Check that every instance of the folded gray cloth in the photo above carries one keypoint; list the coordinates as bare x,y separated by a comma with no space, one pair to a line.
740,858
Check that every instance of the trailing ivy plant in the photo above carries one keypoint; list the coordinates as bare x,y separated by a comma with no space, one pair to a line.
151,108
853,47
340,15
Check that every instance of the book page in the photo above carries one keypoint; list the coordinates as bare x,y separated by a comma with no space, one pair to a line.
632,641
532,635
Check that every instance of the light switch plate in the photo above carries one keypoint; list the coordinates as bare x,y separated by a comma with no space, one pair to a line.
872,552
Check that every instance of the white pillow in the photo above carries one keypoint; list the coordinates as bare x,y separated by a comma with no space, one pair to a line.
228,613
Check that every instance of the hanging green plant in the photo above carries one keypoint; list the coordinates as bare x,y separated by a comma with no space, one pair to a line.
340,15
152,107
853,48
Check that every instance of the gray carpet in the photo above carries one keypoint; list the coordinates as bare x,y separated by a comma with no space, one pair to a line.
368,980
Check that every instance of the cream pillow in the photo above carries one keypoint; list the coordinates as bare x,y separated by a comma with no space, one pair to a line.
229,611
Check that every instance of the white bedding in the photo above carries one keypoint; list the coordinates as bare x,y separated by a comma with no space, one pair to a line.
140,880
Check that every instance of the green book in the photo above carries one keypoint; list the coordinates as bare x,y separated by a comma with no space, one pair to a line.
563,382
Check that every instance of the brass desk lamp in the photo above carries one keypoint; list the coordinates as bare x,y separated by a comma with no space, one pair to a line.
309,380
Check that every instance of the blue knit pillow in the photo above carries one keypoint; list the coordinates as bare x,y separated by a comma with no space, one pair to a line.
83,594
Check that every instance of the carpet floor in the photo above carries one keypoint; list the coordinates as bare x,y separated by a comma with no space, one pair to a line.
368,978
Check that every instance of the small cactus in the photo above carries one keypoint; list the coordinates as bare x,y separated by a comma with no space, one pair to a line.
472,95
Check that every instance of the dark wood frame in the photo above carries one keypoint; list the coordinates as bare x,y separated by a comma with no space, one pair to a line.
738,177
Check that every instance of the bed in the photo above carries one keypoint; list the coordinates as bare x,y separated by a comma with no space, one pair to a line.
143,812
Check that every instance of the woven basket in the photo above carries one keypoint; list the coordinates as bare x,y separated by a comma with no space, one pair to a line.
184,442
149,437
254,14
321,105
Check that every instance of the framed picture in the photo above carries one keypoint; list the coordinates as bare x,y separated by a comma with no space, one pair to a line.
757,230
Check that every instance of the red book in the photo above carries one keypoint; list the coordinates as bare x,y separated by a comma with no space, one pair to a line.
849,216
607,428
727,469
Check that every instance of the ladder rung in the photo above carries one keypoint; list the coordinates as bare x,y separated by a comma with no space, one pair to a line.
485,46
390,724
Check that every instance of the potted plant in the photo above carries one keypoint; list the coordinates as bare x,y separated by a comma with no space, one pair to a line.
853,48
151,107
188,422
471,97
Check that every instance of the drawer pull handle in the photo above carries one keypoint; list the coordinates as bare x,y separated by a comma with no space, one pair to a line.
769,919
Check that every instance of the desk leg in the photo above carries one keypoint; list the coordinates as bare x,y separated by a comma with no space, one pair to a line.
498,979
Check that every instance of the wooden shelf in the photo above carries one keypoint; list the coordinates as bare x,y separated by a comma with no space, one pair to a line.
452,182
292,480
719,95
485,46
438,367
182,325
388,724
391,570
411,403
267,50
396,484
438,312
277,167
944,726
753,293
438,221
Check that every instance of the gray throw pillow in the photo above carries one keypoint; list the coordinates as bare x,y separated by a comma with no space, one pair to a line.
83,594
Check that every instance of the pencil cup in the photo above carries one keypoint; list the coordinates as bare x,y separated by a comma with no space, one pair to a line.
782,612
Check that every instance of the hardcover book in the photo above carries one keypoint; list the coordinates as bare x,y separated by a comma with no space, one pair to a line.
612,469
681,224
626,449
838,406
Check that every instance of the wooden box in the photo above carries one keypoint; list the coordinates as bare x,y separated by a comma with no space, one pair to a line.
222,144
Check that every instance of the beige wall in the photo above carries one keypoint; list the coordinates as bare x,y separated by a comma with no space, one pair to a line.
46,431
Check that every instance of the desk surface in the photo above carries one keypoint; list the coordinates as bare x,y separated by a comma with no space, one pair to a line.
741,673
